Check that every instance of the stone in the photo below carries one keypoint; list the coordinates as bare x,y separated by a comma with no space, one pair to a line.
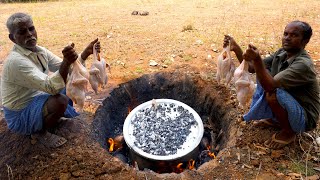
112,167
255,163
314,177
64,176
318,141
79,173
153,63
277,153
144,13
135,13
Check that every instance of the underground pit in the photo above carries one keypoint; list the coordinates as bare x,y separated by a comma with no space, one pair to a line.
205,97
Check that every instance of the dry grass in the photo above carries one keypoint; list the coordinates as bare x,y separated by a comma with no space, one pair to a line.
129,42
172,29
159,35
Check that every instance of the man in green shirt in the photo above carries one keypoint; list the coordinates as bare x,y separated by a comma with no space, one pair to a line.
287,93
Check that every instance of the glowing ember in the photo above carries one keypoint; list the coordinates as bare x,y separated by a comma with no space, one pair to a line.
191,164
211,154
179,168
111,144
116,143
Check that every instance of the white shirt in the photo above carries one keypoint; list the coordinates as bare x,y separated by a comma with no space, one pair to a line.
26,74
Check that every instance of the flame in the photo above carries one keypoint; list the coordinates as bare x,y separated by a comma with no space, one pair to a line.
129,110
116,143
191,164
211,154
179,168
98,57
111,143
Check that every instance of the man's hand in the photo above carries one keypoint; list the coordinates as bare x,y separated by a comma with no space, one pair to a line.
89,49
69,54
252,53
233,46
229,40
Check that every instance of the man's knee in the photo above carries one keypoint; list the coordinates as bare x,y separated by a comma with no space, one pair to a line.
271,98
57,103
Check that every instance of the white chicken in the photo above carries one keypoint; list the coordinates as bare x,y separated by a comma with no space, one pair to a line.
98,75
77,84
225,66
244,84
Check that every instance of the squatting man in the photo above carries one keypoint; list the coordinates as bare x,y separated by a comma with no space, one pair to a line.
34,101
287,93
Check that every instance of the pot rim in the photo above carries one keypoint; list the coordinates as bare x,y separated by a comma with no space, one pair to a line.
192,141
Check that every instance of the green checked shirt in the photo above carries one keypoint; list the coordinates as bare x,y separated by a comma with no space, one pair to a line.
298,77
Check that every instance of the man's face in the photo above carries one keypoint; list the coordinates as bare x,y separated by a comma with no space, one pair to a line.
25,35
292,40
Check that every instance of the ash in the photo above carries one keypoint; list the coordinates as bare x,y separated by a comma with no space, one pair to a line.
162,129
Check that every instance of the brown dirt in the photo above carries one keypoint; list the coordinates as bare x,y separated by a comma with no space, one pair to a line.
129,42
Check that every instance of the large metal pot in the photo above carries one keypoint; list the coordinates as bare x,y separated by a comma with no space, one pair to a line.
188,151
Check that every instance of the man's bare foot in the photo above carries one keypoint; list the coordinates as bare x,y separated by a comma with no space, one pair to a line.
279,140
49,140
266,123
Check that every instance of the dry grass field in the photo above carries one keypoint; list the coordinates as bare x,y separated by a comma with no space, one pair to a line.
177,34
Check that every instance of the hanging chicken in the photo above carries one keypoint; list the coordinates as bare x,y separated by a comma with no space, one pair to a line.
98,75
77,84
225,66
243,83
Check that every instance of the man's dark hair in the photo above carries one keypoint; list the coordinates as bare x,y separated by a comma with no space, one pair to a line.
307,30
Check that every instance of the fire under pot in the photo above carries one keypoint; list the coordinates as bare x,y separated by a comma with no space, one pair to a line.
162,132
114,118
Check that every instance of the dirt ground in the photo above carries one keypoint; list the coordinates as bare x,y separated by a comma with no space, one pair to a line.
184,36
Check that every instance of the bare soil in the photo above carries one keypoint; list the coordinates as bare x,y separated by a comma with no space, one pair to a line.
184,36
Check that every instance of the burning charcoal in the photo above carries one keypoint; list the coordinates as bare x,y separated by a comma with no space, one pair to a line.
180,109
160,131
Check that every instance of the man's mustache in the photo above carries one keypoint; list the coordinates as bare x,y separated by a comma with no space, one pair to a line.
32,38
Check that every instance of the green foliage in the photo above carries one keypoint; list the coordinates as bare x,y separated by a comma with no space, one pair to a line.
187,57
167,62
300,168
139,70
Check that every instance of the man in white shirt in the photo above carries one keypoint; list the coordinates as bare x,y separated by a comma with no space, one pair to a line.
33,100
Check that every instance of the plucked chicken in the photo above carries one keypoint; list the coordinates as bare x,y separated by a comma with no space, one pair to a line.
244,84
225,66
77,84
98,75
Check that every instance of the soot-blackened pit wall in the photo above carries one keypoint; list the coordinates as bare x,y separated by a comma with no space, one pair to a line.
201,95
